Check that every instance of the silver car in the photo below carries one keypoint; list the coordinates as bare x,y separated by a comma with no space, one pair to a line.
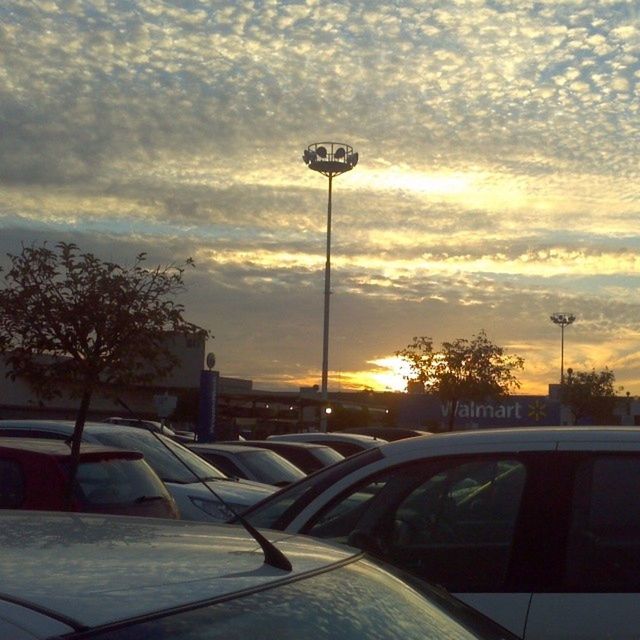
118,578
201,491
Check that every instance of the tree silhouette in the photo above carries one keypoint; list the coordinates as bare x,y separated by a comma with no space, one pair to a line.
475,369
71,321
590,394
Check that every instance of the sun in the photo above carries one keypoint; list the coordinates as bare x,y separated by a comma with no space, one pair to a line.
389,374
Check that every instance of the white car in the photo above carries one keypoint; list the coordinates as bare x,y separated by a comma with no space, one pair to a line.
537,528
345,443
194,483
119,578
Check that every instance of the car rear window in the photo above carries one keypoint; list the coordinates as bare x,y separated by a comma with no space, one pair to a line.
116,481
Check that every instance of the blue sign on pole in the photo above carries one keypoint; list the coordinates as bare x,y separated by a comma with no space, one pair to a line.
209,382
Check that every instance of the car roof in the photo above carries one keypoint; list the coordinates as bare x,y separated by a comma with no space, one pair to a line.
513,438
356,438
67,426
385,432
311,446
60,449
226,447
96,570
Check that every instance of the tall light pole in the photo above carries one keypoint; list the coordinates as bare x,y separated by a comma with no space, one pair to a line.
330,159
564,320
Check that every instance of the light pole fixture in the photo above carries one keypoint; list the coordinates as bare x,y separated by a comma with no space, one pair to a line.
564,320
330,159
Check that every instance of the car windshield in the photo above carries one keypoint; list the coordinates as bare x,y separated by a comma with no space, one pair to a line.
270,467
171,461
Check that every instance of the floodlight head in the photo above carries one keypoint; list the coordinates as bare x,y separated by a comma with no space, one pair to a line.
330,158
561,318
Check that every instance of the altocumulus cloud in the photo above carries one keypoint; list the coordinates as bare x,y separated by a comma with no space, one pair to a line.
497,183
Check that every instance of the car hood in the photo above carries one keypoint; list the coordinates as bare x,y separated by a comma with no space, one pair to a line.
96,570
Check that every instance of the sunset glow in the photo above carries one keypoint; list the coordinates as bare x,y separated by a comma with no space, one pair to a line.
497,181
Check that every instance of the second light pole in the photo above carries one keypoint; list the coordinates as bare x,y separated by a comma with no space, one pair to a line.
564,320
330,159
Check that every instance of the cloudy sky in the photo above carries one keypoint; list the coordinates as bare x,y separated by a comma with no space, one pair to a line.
498,179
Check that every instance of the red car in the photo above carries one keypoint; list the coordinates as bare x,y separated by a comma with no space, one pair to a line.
34,474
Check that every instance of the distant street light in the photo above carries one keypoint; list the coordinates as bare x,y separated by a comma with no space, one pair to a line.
564,320
330,159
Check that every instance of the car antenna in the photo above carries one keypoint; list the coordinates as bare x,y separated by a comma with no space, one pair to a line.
272,555
132,413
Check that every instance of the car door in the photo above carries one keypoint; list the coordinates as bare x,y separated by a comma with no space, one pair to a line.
597,591
460,521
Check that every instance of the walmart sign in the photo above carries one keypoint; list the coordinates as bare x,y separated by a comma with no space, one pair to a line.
513,411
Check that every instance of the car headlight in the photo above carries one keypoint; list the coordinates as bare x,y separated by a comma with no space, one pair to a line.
217,509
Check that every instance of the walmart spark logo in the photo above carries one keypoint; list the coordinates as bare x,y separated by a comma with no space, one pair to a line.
538,410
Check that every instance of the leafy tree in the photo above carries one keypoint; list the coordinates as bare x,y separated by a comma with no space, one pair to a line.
71,321
590,394
464,369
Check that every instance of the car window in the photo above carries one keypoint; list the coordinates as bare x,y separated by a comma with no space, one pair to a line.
225,465
11,484
340,520
344,448
327,455
278,510
271,468
352,602
302,458
603,550
452,524
171,461
116,481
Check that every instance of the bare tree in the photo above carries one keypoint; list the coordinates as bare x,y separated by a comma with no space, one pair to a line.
475,369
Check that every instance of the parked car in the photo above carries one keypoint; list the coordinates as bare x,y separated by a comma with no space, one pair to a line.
345,443
153,425
251,463
390,434
113,578
34,474
201,491
537,528
305,455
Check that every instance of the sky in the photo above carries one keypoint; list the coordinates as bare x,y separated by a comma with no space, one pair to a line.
497,181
